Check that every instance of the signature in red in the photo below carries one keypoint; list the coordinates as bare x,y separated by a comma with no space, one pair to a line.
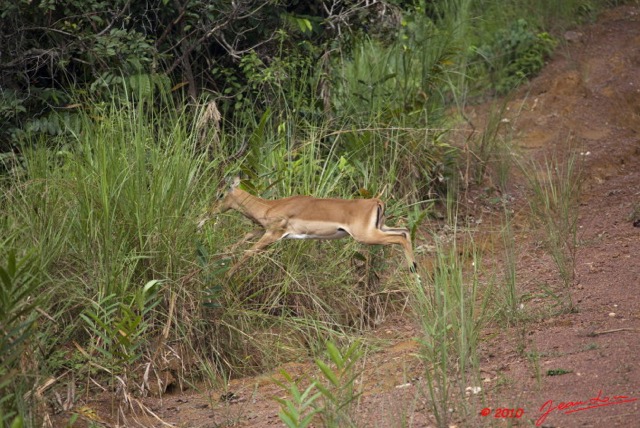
578,406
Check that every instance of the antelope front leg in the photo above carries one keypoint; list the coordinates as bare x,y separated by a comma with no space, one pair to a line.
202,221
268,238
248,236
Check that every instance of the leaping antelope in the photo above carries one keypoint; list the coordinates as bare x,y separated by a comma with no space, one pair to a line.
306,217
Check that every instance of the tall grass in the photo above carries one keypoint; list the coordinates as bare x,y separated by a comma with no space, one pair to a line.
110,217
490,157
104,214
555,186
451,309
508,292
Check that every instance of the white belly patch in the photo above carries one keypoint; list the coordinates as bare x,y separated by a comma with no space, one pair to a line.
337,235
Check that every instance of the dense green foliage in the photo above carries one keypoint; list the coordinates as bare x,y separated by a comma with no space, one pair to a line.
514,54
63,55
119,121
60,55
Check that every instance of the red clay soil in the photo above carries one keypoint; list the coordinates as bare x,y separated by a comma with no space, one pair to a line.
587,97
565,369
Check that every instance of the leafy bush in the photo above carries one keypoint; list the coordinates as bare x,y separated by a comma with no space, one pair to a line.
18,302
116,326
515,54
332,405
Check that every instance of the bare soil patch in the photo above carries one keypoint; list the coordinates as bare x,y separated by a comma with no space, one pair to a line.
587,98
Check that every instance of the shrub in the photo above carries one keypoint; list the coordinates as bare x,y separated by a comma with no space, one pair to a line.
514,54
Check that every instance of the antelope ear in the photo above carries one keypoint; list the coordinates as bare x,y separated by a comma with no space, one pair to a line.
236,181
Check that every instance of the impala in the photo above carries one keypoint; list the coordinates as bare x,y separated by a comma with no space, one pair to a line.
306,217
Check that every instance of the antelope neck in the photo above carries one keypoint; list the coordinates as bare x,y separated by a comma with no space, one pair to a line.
251,206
